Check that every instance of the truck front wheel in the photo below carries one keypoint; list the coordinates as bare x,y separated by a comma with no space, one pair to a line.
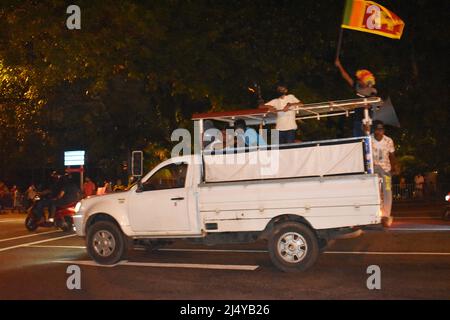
105,242
293,247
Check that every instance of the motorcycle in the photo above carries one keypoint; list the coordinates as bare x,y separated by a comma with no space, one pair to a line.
446,215
63,218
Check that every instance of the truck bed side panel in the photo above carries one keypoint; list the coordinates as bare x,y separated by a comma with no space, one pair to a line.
325,203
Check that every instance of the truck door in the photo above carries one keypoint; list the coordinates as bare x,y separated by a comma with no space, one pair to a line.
162,204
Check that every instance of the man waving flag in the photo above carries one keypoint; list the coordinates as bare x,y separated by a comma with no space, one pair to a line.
368,16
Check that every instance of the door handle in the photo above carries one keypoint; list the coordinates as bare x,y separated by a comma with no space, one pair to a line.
178,198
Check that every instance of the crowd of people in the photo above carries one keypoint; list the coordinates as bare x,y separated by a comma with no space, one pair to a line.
286,124
9,197
385,163
241,135
418,187
60,188
90,188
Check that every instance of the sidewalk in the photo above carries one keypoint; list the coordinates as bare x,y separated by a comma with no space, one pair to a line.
9,212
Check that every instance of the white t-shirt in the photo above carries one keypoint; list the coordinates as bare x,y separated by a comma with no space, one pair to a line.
381,151
285,120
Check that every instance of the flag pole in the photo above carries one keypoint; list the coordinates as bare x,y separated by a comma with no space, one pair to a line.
339,43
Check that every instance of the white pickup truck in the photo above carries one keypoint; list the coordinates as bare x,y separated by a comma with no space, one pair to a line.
320,191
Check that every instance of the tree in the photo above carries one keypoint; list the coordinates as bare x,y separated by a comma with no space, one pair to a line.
137,70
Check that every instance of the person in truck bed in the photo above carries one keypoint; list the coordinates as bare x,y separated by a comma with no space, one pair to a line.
364,87
247,136
286,124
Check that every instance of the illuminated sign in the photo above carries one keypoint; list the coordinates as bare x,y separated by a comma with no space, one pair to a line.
74,158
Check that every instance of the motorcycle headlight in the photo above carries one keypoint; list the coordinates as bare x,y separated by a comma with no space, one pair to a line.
447,197
77,207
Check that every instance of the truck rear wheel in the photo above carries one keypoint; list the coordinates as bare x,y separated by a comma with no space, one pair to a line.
105,243
293,247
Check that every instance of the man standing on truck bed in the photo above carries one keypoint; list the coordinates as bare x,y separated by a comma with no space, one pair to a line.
384,163
286,124
364,87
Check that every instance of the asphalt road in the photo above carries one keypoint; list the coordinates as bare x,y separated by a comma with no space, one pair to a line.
413,256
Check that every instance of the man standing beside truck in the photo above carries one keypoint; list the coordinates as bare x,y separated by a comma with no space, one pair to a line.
286,124
385,164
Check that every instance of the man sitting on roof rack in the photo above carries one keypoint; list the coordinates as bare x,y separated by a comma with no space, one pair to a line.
215,139
247,136
212,137
286,124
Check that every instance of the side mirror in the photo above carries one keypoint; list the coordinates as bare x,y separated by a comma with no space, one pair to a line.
140,186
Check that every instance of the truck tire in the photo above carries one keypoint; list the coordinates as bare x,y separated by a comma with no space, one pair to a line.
105,243
293,247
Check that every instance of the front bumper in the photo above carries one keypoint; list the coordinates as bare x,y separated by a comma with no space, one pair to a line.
78,222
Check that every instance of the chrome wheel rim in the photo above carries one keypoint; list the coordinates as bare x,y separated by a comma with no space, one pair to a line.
104,243
292,247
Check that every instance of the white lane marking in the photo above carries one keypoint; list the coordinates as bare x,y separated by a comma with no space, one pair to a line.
390,253
166,265
437,228
29,235
419,218
59,247
36,242
11,220
214,250
89,263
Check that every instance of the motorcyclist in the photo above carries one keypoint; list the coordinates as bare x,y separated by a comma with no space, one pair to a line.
48,195
69,193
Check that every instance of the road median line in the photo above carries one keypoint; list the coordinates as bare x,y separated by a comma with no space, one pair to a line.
389,253
163,265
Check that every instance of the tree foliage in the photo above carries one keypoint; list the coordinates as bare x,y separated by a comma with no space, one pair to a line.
138,69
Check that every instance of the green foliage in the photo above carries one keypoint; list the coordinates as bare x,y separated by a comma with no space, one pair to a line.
138,69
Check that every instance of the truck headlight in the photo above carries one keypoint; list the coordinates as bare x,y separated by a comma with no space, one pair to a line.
78,207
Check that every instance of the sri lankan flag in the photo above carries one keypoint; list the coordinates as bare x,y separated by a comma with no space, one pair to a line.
368,16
